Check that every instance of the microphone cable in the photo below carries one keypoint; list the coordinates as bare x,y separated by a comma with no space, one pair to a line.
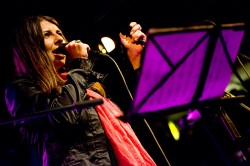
94,53
132,98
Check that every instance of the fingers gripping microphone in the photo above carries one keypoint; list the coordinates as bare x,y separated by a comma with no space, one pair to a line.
126,31
92,53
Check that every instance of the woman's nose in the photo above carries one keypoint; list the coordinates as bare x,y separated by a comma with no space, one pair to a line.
59,38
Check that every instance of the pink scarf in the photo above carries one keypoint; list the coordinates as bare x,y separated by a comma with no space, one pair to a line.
126,145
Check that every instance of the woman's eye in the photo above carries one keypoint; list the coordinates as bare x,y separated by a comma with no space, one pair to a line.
46,34
60,33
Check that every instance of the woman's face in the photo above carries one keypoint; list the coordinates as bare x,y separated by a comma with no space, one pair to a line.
53,37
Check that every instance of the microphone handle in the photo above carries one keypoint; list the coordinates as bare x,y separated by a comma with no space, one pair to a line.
92,53
126,31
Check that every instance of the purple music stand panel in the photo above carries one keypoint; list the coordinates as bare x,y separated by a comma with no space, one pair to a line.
220,70
172,66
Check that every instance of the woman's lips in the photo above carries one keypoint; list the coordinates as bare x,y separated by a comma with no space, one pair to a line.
59,56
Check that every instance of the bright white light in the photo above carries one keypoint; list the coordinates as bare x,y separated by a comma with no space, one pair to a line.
108,43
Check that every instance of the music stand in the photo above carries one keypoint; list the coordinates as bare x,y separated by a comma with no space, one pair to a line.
185,65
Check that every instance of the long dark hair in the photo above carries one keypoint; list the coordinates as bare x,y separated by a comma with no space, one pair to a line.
30,56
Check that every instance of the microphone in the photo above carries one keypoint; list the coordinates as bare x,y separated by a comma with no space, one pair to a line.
92,53
61,49
126,31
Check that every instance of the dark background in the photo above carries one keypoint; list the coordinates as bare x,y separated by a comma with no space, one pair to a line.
88,20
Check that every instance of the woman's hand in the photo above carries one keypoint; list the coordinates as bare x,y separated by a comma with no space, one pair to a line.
134,43
77,49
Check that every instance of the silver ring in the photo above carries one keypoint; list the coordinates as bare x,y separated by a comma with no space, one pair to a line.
78,41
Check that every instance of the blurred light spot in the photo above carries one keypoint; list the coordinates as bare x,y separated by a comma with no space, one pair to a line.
108,43
174,130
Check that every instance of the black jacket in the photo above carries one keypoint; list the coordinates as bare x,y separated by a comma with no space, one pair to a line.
60,136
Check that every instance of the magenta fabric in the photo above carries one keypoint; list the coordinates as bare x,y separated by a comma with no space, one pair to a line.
127,147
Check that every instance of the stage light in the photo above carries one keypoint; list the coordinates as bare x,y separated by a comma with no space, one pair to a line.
174,130
108,44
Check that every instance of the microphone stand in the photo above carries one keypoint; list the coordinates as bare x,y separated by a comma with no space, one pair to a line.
232,129
79,105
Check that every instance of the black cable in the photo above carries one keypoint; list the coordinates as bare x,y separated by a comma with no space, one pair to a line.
131,96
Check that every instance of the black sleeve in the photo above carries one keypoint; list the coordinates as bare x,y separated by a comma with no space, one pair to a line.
24,98
87,66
